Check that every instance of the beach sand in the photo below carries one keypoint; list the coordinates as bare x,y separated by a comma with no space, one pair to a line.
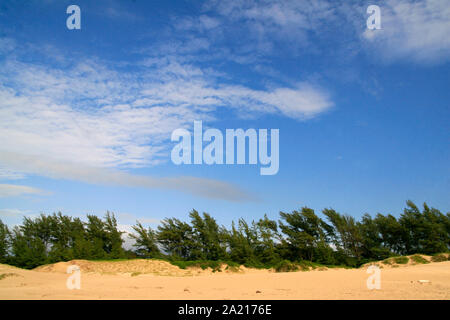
144,279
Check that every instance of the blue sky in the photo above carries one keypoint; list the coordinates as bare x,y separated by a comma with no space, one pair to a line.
86,115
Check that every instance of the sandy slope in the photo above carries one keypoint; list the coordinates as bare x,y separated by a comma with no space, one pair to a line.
113,280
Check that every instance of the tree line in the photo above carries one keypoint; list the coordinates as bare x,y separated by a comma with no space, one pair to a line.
300,235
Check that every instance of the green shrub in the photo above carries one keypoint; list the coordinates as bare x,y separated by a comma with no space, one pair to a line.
232,268
401,260
439,257
286,266
203,264
417,258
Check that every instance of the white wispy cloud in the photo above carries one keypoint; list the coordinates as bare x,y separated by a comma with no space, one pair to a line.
74,121
268,24
43,166
103,117
8,213
8,174
12,190
412,30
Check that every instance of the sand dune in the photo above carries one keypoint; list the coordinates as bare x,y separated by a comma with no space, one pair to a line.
143,279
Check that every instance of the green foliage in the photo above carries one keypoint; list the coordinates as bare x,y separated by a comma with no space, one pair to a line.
28,250
305,234
207,238
298,241
114,239
204,264
426,232
401,260
346,234
145,242
242,242
417,258
176,238
439,258
104,240
377,236
286,266
4,242
49,239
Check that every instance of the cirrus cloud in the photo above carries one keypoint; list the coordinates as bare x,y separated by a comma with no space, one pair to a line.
88,122
12,190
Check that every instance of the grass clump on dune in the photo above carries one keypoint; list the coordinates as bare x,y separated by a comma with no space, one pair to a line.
286,266
204,264
417,258
232,268
401,260
439,257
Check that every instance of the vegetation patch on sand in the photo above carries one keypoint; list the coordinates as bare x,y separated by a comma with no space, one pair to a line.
419,259
287,266
440,257
214,266
134,267
395,262
5,275
401,260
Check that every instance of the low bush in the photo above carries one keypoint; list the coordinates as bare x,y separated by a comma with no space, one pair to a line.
286,266
417,258
439,257
401,260
204,264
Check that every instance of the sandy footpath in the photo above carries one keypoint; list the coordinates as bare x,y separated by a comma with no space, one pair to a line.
169,282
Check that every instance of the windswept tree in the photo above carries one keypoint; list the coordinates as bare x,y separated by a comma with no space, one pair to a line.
67,238
347,236
268,239
391,233
28,250
207,236
373,245
299,235
426,231
242,242
31,242
114,239
145,241
4,242
175,237
306,235
105,240
97,237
